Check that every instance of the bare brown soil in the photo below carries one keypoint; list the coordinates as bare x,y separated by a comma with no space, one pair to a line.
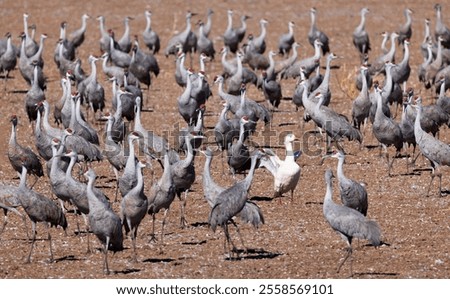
295,241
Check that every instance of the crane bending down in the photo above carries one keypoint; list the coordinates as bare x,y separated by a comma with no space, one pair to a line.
348,222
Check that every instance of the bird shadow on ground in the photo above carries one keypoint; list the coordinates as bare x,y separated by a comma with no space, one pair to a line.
287,124
67,258
194,242
261,198
127,271
199,224
158,260
313,203
253,254
18,91
371,274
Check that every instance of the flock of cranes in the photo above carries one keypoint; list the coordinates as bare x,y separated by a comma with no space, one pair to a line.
74,138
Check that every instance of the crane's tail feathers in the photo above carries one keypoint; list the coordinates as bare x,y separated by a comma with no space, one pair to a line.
373,233
252,214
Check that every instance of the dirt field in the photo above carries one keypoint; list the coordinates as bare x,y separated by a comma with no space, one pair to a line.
295,241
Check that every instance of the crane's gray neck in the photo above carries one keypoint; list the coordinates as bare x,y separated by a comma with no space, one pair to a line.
340,167
73,160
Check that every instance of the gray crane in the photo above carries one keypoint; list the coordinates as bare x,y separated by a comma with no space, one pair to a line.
182,38
118,57
89,151
361,105
30,47
34,95
78,125
324,87
272,91
433,149
27,69
161,195
224,131
238,154
142,65
208,25
440,29
400,72
286,40
250,213
90,90
64,49
336,125
433,68
204,44
20,156
308,64
112,71
187,105
314,33
258,43
405,30
386,131
151,38
125,41
378,66
42,140
8,58
183,174
348,222
353,193
104,35
39,209
128,179
104,223
407,128
361,38
230,202
77,37
133,208
57,174
9,201
233,36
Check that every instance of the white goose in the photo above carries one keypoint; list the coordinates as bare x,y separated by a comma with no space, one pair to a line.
286,173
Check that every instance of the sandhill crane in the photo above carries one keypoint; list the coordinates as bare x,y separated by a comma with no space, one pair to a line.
204,44
104,223
64,48
361,105
9,201
286,172
142,65
183,174
286,40
42,140
77,37
405,31
440,29
378,66
161,195
27,69
348,222
250,213
324,87
125,41
30,47
353,193
34,95
8,58
233,36
230,202
238,154
258,43
182,38
118,58
187,105
133,207
400,73
128,179
361,38
20,156
104,35
78,125
433,149
57,174
314,33
224,131
272,91
386,131
151,38
39,209
90,90
308,64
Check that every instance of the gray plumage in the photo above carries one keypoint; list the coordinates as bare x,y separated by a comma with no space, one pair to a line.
34,95
433,149
125,41
308,64
400,72
361,38
128,179
378,66
233,36
224,131
8,57
348,222
151,38
77,37
405,31
238,154
39,209
361,105
161,196
90,90
324,87
27,69
142,65
133,207
286,40
230,202
272,91
118,57
20,156
440,29
314,33
9,202
183,38
204,44
353,193
105,224
258,43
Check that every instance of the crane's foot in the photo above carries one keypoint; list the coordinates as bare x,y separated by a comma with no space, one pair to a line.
152,238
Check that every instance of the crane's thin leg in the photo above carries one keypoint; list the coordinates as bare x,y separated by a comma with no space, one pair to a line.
5,220
152,235
33,239
133,242
183,222
347,255
240,236
87,233
116,172
163,224
49,237
105,261
35,181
